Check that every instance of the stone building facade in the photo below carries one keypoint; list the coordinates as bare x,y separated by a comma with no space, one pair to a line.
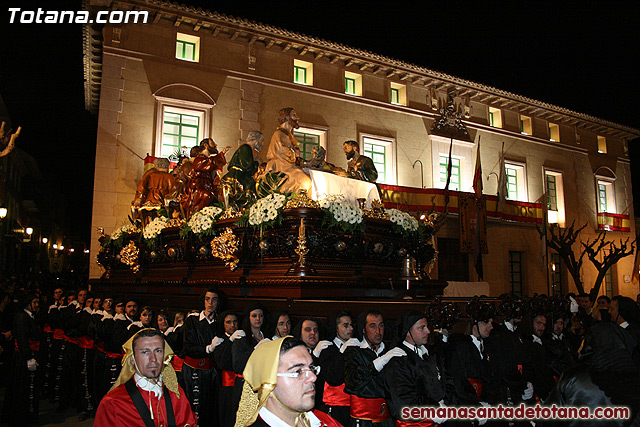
187,74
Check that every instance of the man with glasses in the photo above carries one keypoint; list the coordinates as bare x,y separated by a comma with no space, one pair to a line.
279,387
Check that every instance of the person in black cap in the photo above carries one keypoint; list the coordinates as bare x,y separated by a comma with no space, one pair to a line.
363,372
199,375
419,379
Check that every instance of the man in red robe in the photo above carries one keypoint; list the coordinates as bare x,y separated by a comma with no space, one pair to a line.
279,387
147,391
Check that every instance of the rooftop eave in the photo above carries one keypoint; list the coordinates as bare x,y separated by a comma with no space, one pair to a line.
214,23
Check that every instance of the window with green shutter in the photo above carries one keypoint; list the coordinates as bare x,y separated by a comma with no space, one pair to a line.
377,153
515,272
512,183
602,197
300,74
178,130
185,50
307,142
454,183
395,96
350,85
552,195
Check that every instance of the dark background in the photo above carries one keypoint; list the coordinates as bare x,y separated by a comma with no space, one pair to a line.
577,55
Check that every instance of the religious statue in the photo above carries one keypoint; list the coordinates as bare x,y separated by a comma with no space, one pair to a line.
202,187
242,167
359,166
156,185
283,154
7,140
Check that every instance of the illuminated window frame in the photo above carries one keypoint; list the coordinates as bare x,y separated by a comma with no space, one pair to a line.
454,183
352,83
605,195
320,135
554,187
388,174
495,117
200,110
516,181
526,127
554,132
602,144
302,72
182,42
398,94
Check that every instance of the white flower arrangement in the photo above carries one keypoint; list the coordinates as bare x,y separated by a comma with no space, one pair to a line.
125,229
202,221
155,227
408,223
266,209
342,210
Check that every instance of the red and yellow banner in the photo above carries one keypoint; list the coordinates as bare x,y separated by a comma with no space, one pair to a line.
423,200
613,222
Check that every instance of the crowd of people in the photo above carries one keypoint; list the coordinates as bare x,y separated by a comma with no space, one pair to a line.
73,347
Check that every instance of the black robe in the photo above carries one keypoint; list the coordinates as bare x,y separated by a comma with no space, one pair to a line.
22,396
505,351
331,362
200,384
412,380
227,406
537,369
464,364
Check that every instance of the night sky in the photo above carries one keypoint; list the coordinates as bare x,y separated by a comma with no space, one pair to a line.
580,55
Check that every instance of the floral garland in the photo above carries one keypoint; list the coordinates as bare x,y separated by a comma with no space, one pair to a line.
201,222
341,213
265,211
403,220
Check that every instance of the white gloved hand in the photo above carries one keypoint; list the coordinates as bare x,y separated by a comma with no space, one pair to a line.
573,307
483,421
32,364
528,392
440,420
262,341
352,342
321,346
385,358
216,341
237,335
445,334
